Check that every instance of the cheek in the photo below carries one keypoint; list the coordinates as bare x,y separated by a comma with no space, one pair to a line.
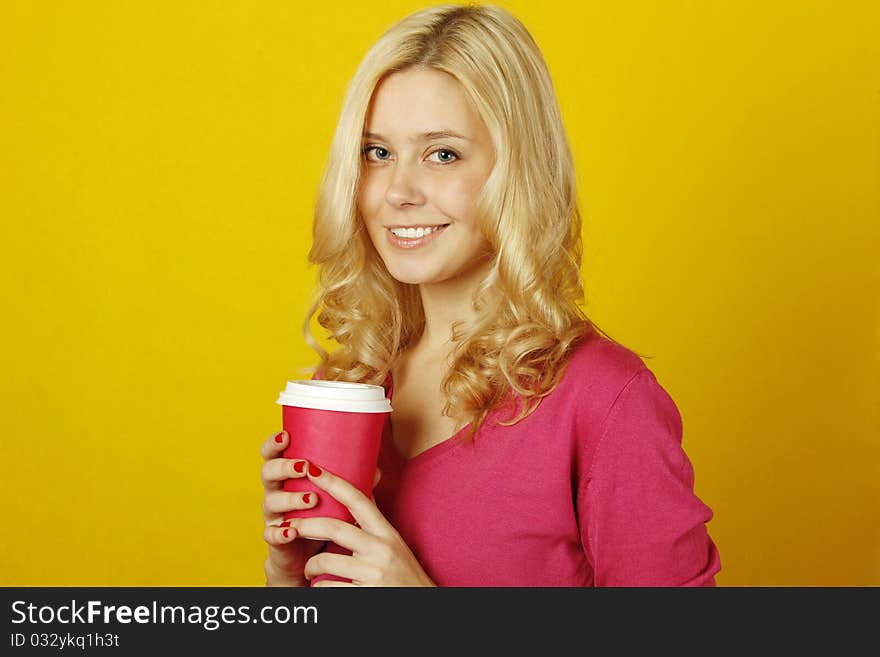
368,199
458,198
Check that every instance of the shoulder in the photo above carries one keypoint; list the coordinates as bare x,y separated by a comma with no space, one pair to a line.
598,371
610,388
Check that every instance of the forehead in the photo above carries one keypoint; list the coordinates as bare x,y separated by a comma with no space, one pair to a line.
416,100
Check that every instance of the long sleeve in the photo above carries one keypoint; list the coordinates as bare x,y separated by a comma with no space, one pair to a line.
641,523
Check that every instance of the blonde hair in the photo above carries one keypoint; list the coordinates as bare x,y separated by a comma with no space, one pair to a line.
529,321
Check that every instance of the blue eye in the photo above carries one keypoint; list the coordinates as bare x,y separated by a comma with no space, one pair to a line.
378,149
448,152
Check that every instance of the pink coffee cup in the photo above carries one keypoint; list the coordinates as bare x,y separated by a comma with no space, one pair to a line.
336,425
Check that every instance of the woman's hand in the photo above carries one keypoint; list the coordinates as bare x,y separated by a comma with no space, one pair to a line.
287,555
379,555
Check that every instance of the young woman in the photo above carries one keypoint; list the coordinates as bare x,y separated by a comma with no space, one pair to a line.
526,447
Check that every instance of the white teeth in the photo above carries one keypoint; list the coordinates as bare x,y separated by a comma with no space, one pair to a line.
414,232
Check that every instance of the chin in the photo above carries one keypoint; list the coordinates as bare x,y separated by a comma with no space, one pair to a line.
413,277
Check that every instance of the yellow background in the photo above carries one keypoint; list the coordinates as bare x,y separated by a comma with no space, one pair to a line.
159,166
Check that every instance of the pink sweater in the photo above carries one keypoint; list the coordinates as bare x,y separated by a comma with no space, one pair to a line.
592,489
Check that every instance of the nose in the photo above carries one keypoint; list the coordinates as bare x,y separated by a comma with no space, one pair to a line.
404,187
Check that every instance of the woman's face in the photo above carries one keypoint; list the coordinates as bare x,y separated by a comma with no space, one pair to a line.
411,178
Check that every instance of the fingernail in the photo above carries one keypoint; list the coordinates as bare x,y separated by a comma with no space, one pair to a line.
286,523
299,466
286,531
279,437
314,470
307,497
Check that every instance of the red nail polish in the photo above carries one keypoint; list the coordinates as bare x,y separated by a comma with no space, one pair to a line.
314,470
299,466
307,497
279,437
286,523
286,532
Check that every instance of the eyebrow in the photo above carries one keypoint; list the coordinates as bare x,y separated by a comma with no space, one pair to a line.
425,136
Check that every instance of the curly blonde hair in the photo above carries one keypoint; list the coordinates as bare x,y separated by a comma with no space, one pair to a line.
529,321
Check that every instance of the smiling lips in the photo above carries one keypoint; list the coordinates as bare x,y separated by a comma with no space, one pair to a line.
413,231
417,239
417,226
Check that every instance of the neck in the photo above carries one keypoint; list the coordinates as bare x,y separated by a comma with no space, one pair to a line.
447,302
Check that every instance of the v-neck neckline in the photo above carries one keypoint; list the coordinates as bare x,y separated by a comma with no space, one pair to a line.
426,455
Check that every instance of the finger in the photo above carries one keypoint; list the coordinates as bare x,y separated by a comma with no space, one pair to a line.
345,535
274,445
340,565
279,534
275,471
276,503
377,477
365,512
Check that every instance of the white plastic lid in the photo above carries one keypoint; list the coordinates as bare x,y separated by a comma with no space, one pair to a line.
335,396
